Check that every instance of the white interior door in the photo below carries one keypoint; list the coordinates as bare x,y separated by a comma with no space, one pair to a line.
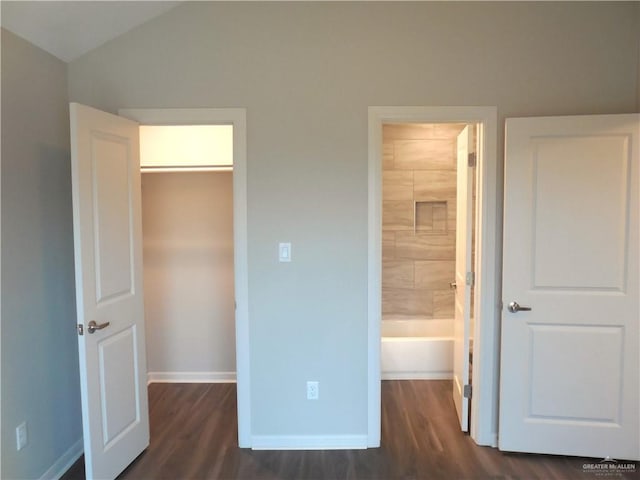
108,260
464,278
569,366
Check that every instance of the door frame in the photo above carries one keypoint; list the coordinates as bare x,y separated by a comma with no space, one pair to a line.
484,402
238,118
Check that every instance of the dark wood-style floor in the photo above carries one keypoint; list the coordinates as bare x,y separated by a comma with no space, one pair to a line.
193,436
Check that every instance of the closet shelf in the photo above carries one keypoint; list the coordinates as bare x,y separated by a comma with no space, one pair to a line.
165,169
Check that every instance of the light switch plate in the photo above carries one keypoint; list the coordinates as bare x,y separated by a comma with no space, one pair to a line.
284,252
21,436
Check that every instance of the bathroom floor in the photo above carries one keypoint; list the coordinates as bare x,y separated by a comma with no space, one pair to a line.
193,436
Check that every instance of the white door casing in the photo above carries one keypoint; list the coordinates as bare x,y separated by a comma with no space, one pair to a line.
108,259
238,118
464,276
483,427
569,367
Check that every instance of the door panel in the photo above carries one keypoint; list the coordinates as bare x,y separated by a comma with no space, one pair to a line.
112,220
569,367
556,401
119,398
108,260
598,169
462,315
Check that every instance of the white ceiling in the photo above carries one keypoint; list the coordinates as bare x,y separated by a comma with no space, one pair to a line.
71,29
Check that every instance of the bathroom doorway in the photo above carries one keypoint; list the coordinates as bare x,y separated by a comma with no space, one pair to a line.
413,160
428,186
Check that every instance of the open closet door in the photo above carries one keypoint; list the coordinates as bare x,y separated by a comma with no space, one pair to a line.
464,277
569,356
108,266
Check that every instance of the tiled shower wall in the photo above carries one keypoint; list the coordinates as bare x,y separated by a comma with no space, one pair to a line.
418,220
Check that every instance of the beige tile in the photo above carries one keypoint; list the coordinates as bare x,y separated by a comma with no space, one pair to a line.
425,247
397,215
397,274
403,301
440,218
397,185
421,131
407,131
388,245
434,274
387,156
433,185
452,205
447,130
424,217
442,212
443,303
431,218
424,154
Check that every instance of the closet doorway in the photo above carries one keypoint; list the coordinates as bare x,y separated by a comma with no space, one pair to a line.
195,252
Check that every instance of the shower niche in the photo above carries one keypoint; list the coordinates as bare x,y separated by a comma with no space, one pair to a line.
430,217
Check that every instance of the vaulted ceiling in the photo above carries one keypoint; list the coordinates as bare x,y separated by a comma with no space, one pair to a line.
71,29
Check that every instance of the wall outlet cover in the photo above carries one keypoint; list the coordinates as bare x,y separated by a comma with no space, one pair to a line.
313,390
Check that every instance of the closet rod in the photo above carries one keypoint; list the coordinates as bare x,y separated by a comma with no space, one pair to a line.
217,168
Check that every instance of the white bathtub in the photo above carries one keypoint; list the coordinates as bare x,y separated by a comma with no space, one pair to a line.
417,349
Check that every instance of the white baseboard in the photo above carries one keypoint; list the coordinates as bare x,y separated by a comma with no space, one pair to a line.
308,442
63,463
416,375
191,377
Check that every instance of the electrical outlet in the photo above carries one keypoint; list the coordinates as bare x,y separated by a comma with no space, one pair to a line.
21,436
313,390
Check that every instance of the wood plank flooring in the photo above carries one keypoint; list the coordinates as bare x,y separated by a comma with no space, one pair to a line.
193,436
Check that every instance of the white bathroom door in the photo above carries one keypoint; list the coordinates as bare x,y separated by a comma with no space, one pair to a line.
464,277
108,265
569,350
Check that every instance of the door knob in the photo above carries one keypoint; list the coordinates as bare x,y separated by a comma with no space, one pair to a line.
515,307
93,326
453,285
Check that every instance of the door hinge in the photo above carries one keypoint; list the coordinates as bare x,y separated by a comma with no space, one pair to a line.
471,278
471,159
466,392
80,329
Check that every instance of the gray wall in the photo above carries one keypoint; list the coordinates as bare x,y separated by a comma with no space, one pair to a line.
40,382
187,229
306,72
